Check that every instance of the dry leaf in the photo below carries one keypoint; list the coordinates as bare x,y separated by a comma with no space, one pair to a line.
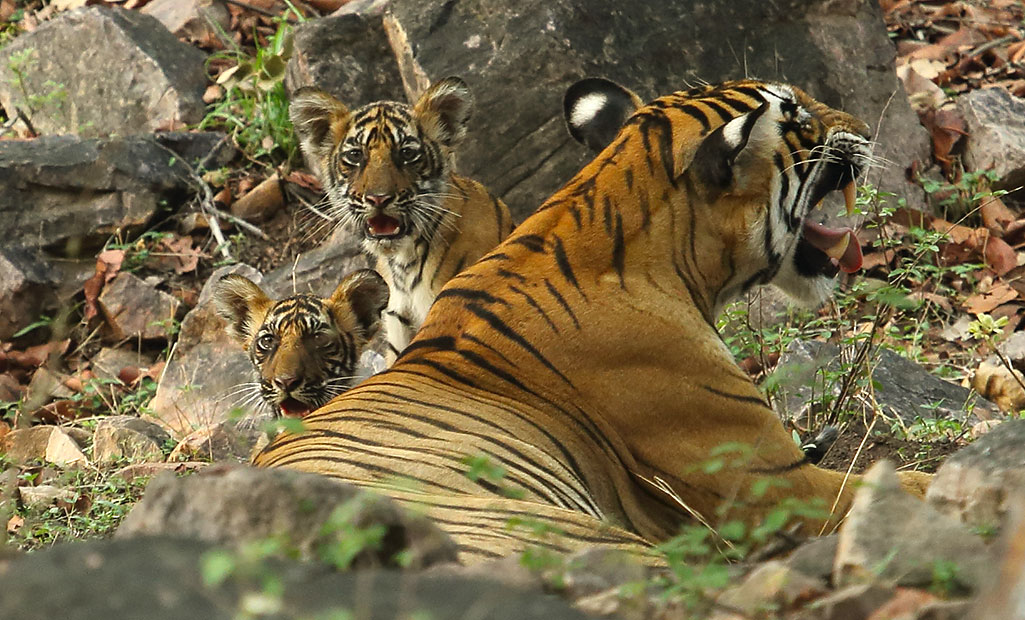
108,263
981,303
999,256
14,524
996,216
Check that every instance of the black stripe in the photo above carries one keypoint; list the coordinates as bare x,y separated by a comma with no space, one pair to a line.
533,303
721,110
502,328
697,114
534,243
562,301
563,263
402,319
746,399
471,294
619,250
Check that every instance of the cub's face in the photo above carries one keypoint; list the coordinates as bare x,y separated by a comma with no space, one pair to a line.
304,348
385,167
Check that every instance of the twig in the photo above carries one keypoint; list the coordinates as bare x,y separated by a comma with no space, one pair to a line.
24,118
206,203
985,47
847,475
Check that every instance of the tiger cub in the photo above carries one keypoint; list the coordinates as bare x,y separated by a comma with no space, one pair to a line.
306,349
387,169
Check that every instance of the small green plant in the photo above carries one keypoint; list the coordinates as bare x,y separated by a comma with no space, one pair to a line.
42,321
50,99
139,251
482,470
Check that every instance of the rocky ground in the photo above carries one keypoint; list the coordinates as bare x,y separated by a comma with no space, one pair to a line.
145,151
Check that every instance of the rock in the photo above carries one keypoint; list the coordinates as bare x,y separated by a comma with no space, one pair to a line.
108,363
148,470
22,446
772,585
518,145
994,382
906,603
63,451
45,386
319,271
856,601
25,290
903,390
815,557
592,571
979,482
234,505
128,438
43,495
136,77
996,134
1014,348
134,309
221,442
947,610
192,20
890,535
346,54
158,579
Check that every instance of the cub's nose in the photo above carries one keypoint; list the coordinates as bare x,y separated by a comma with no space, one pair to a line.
378,200
287,383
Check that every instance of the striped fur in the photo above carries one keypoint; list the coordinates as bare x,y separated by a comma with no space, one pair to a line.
305,349
581,353
387,171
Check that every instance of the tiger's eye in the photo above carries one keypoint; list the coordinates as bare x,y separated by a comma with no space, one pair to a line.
409,154
264,343
323,340
353,157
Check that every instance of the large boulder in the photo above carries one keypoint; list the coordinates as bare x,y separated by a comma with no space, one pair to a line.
100,71
519,58
996,134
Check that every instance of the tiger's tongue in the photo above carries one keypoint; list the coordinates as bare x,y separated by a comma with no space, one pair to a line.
292,408
383,225
840,244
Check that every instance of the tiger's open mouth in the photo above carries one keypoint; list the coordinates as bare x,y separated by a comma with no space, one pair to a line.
383,226
292,408
822,250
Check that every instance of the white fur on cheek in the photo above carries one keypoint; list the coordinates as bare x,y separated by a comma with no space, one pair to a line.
586,109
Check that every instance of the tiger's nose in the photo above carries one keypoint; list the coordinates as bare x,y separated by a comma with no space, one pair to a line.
378,200
287,383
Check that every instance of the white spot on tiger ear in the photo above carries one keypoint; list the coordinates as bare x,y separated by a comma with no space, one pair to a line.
780,90
587,108
733,132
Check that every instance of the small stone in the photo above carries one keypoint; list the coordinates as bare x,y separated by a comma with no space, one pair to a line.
977,482
857,601
888,534
220,442
43,495
261,202
994,382
133,309
47,385
62,450
1004,596
593,571
906,603
110,361
24,289
772,585
148,470
947,610
193,20
128,438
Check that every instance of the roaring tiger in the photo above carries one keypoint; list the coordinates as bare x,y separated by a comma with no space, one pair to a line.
387,170
305,349
581,354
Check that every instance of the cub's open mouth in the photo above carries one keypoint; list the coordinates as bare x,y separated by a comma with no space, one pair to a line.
292,408
383,226
823,250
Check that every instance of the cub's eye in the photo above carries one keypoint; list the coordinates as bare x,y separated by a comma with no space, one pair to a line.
353,157
265,342
409,153
323,340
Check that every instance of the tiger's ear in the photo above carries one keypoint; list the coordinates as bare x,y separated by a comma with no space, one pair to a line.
366,294
320,122
243,304
714,161
595,110
444,110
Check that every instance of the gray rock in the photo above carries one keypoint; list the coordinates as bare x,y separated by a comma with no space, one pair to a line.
771,585
346,54
193,20
319,271
996,134
980,482
235,505
135,77
63,451
108,363
221,442
159,579
134,309
596,570
903,389
1004,595
43,495
25,290
46,385
518,145
815,557
890,535
27,445
128,438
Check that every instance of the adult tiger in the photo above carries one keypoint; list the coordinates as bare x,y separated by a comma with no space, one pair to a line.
387,171
581,353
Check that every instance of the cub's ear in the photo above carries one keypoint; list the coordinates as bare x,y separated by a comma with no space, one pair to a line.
713,164
366,294
320,122
595,110
444,110
243,304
